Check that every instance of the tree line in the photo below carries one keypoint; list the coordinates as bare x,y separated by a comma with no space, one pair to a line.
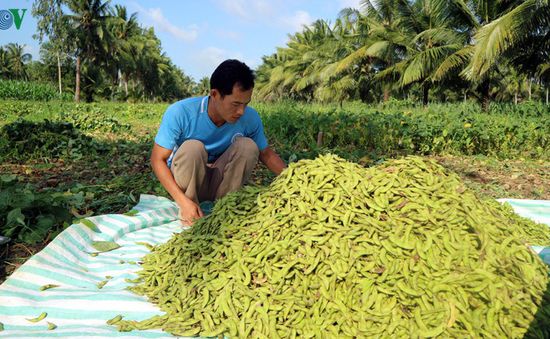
422,50
447,50
96,50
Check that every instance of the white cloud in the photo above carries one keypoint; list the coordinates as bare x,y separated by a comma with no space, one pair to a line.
209,58
263,7
235,8
247,9
206,60
350,4
160,22
297,21
263,11
232,35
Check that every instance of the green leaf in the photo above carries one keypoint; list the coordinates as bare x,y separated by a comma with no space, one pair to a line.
131,213
33,236
90,224
60,213
15,217
8,177
24,199
105,246
45,222
5,199
51,326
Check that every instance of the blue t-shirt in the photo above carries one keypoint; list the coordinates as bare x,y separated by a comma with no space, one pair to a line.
188,119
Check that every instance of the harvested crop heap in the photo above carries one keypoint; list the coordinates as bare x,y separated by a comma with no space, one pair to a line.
334,250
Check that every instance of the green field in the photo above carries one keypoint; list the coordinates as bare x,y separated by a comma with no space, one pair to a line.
61,160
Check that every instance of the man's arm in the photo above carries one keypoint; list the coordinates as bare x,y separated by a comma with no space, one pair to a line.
272,160
189,210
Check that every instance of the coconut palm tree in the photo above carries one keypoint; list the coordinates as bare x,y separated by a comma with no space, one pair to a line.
88,22
17,61
52,23
4,70
411,44
125,32
330,83
517,25
497,30
293,68
203,86
432,37
543,73
385,40
148,64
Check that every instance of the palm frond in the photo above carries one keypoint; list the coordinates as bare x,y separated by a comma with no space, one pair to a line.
352,59
543,69
422,65
391,73
466,13
441,35
453,61
496,37
345,84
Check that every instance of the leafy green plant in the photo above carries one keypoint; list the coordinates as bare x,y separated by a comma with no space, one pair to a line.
504,132
27,140
29,216
26,90
93,118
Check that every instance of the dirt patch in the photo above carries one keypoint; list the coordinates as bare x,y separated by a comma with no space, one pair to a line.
521,179
15,255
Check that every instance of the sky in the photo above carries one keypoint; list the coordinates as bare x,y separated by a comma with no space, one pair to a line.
198,35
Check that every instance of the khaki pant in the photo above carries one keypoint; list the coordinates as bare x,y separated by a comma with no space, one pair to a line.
201,181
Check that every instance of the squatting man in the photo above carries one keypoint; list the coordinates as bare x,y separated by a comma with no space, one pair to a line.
208,146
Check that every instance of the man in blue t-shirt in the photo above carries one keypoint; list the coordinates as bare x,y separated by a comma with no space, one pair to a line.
208,146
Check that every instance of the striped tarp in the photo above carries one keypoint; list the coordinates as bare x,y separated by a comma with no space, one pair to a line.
537,210
78,307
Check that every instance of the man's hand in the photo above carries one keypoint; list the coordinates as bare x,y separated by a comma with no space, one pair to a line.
189,212
272,161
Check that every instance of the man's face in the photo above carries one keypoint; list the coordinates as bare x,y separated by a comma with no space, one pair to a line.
231,107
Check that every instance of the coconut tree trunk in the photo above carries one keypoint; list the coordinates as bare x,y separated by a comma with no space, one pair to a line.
426,93
77,89
465,97
386,93
485,98
125,80
529,82
547,95
59,72
516,98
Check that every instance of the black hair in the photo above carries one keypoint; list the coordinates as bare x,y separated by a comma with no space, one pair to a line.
229,73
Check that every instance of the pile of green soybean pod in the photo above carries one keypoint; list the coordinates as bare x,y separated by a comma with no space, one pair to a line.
332,250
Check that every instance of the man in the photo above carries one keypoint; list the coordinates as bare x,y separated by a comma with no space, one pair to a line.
207,146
